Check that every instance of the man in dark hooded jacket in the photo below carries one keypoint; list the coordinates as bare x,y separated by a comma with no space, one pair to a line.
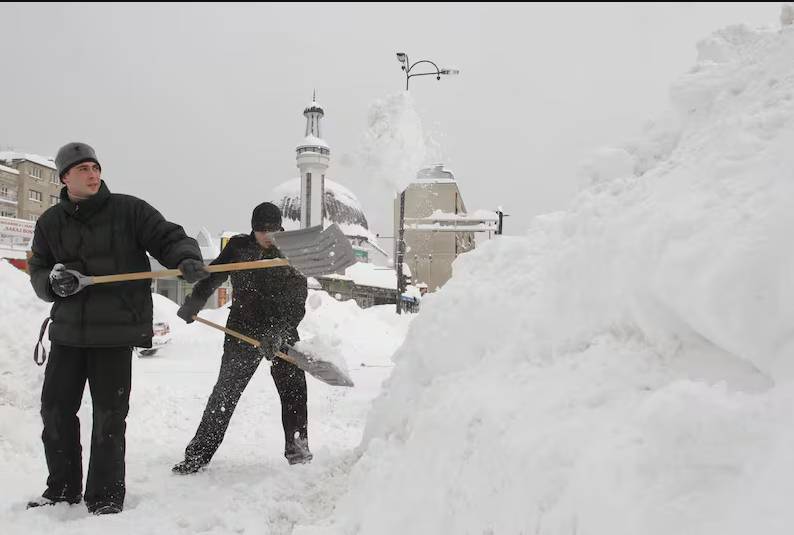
267,304
95,232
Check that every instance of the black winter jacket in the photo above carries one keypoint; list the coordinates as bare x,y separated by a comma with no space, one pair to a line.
105,234
264,301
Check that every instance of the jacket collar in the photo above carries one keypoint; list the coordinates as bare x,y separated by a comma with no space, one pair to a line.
266,254
85,208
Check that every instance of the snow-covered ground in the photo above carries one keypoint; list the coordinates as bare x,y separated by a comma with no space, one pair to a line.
625,368
248,487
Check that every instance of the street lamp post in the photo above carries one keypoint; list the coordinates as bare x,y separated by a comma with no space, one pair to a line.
407,66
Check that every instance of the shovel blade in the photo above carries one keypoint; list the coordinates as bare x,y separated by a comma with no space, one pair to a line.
314,251
325,371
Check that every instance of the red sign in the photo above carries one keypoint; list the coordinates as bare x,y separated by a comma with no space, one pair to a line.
18,263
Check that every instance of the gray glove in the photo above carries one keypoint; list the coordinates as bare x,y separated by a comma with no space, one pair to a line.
189,309
270,344
193,270
62,282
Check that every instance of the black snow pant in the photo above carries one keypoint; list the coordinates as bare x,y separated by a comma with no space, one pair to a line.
238,364
108,371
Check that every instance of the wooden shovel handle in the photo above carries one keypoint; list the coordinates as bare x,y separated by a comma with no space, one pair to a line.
255,343
256,264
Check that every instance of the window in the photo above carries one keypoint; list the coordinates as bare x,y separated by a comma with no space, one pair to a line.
319,150
34,195
7,213
35,172
4,191
32,217
322,197
54,178
308,199
54,200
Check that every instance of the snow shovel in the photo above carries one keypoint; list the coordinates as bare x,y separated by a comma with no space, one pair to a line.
325,371
312,251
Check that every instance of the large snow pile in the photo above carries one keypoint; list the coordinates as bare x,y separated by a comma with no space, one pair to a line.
625,367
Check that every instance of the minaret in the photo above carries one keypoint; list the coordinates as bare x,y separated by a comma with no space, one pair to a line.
313,157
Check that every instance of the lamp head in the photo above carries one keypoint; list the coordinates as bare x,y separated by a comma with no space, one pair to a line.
401,57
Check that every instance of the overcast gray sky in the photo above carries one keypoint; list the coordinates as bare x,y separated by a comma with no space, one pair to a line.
197,108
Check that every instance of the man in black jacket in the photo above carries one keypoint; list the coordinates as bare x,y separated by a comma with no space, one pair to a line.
267,304
95,232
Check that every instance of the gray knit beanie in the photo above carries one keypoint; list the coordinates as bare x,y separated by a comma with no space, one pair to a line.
73,154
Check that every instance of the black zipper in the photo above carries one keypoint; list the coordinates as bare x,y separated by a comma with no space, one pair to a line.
86,291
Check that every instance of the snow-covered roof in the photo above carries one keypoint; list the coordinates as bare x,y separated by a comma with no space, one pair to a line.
312,141
435,181
9,170
438,227
476,216
365,274
436,174
477,221
313,106
35,158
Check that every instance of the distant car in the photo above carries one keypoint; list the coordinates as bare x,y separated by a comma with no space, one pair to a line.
162,336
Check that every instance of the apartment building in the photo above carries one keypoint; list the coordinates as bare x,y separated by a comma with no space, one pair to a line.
9,179
37,184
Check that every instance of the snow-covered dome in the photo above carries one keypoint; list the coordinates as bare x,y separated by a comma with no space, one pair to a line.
341,207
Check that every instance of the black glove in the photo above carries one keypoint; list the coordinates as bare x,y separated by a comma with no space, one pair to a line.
189,309
63,282
271,343
193,270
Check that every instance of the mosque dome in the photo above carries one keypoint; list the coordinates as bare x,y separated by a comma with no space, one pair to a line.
341,207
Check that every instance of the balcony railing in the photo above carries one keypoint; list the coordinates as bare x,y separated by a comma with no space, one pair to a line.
9,197
312,148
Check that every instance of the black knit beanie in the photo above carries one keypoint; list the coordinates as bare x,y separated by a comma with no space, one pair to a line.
265,217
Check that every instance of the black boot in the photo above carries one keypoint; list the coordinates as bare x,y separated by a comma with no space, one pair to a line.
49,498
188,466
105,508
297,451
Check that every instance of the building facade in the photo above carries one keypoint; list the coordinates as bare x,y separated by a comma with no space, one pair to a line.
38,184
430,254
9,186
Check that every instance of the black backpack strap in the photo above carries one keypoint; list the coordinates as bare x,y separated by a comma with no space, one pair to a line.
40,344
